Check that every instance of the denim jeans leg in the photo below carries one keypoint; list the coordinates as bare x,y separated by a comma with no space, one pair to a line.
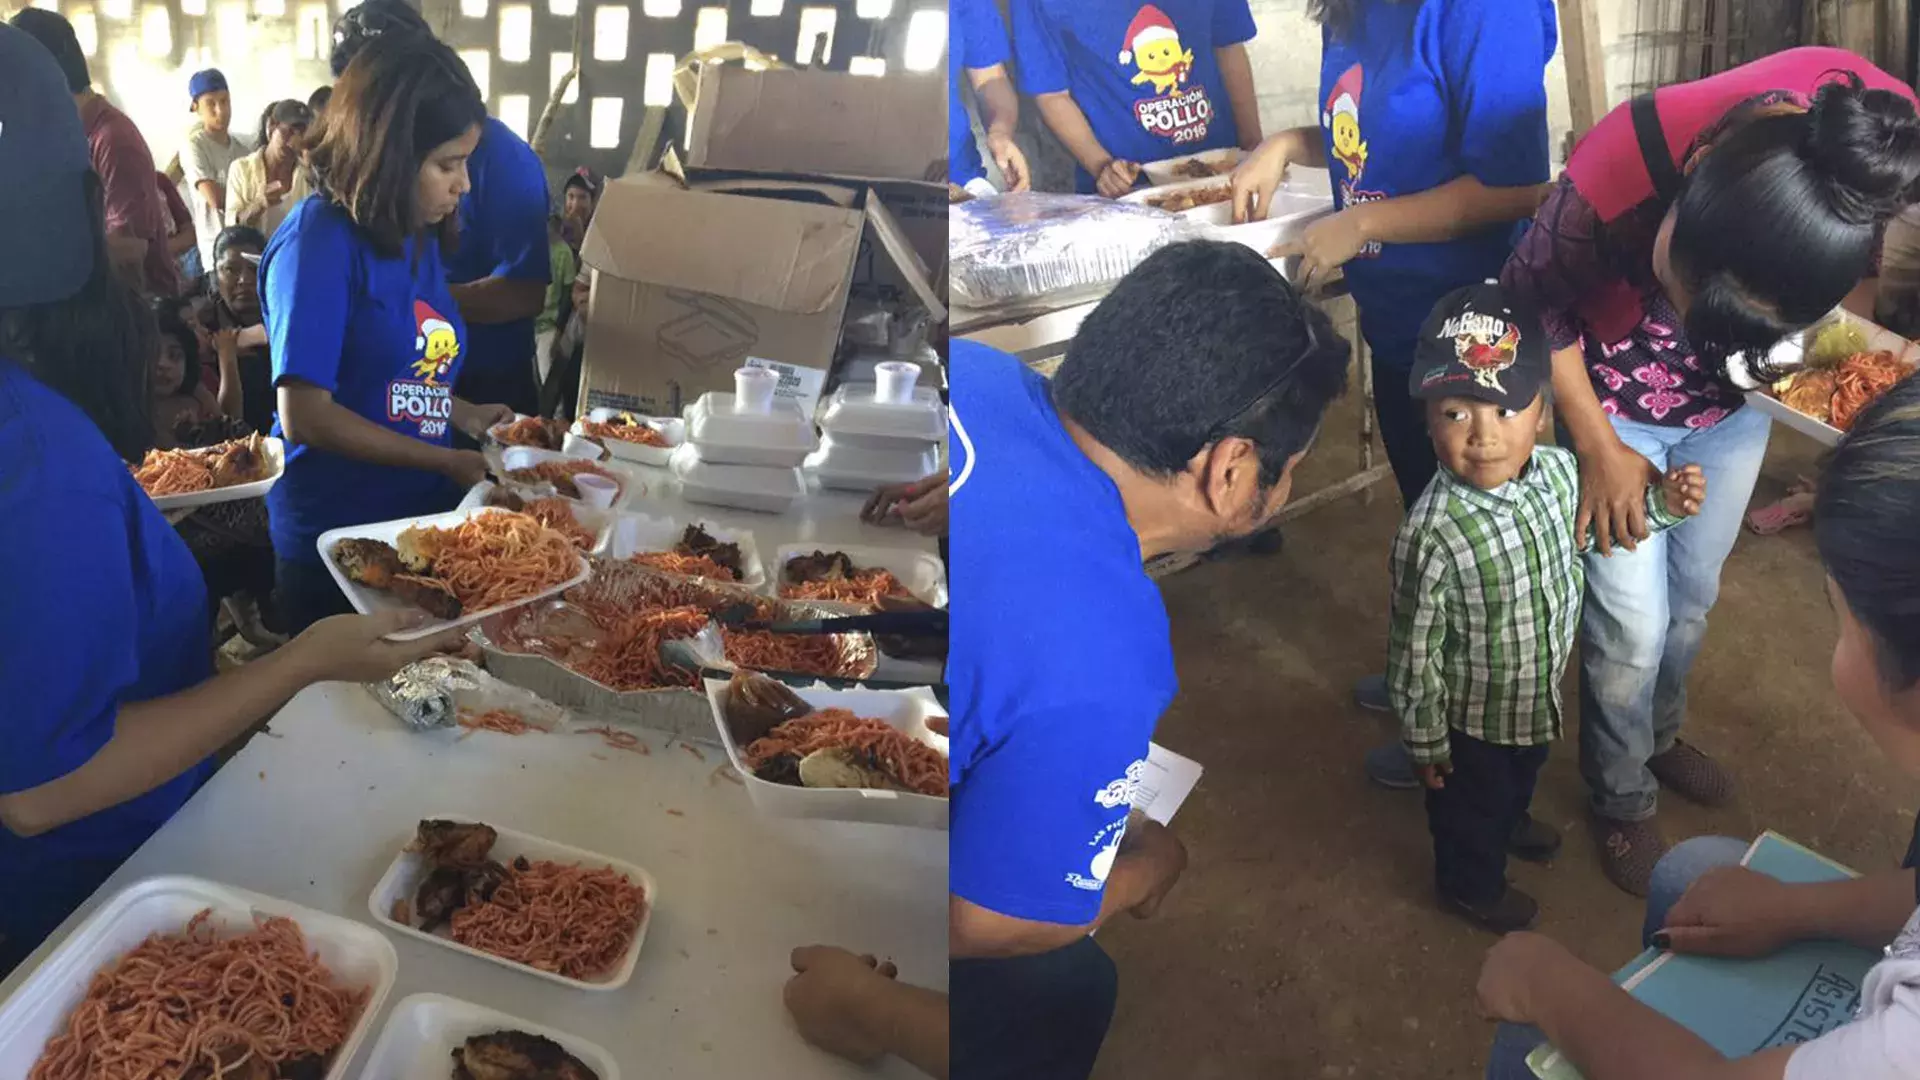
1679,868
1729,453
1403,422
1511,1045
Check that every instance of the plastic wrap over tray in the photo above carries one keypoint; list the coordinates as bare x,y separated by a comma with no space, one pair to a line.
1029,248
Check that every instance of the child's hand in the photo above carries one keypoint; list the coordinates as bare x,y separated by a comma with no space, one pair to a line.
1434,777
1685,489
226,343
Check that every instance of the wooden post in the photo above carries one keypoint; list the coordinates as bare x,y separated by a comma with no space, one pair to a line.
1586,63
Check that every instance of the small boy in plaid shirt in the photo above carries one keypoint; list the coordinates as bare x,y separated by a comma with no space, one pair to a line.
1487,583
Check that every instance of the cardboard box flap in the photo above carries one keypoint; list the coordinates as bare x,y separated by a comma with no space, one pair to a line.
816,122
886,228
693,240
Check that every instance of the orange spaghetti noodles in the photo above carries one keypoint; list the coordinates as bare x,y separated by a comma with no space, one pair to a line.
917,766
501,557
619,740
863,587
199,1003
627,657
504,721
173,472
537,431
1860,381
807,654
561,473
674,562
633,433
569,920
557,514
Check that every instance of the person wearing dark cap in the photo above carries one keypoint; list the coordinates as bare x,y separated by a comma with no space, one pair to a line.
211,150
113,711
1487,578
265,185
577,199
136,214
501,268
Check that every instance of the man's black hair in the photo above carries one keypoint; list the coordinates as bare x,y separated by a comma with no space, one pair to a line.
1202,341
51,29
367,21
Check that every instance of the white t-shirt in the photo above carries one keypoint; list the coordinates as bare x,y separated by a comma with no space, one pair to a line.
206,158
1883,1041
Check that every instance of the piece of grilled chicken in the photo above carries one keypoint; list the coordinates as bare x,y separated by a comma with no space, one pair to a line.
516,1055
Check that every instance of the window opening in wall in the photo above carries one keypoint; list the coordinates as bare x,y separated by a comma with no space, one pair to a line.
479,62
312,39
709,27
604,127
516,33
516,111
557,68
193,8
230,27
474,9
765,9
873,9
926,39
657,90
563,8
661,9
272,9
610,34
156,30
816,36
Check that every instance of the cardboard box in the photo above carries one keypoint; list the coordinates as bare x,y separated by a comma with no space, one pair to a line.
688,285
823,123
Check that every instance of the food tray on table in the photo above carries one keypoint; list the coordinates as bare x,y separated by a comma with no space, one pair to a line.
920,571
515,458
597,522
781,438
570,444
368,600
845,466
1792,355
356,955
1204,165
424,1031
275,453
403,876
744,487
854,409
1029,251
632,534
672,429
906,711
1287,218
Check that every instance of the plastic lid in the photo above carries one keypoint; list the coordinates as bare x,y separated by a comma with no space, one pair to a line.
853,410
739,479
712,420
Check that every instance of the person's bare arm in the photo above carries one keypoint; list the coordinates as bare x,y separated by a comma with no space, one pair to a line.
226,350
1736,912
1862,299
912,1023
1236,72
1613,477
1609,1034
310,417
1063,117
499,300
212,191
182,241
1000,115
1460,206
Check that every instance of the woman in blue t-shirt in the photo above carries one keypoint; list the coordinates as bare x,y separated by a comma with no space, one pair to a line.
112,708
366,339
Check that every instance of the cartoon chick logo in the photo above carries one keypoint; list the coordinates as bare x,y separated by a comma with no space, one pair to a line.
1153,45
436,342
1343,123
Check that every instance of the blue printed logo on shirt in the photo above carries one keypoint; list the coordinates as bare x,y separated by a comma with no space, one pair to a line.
1176,111
427,398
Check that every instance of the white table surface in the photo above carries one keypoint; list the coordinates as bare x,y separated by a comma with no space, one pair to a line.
314,810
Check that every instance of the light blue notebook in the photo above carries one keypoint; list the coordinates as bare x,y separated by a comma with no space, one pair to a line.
1741,1007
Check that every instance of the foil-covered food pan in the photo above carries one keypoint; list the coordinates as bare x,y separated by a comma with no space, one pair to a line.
1037,249
432,693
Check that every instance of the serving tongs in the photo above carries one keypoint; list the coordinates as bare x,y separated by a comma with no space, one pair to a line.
917,623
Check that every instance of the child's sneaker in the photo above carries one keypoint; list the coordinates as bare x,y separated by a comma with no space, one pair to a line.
1514,910
1534,841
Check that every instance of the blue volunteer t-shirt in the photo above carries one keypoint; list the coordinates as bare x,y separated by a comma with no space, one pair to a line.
106,607
977,39
384,337
503,233
1059,659
1418,94
1144,74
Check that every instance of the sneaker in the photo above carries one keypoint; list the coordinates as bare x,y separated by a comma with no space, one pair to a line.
1391,767
1370,693
1534,841
1692,775
1514,910
1628,851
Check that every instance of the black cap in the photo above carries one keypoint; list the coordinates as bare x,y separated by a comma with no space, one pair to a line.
1480,343
44,223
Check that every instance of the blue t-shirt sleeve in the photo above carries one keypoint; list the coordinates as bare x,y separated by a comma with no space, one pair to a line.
305,294
1493,58
983,37
66,669
1232,23
516,228
1038,818
1036,42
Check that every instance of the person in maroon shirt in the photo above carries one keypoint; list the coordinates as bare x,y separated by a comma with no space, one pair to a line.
136,214
1695,226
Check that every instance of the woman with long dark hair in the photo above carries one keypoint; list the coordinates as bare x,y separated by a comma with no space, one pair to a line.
366,339
1693,230
112,707
264,186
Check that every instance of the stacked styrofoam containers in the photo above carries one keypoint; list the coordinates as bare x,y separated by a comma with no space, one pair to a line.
744,449
885,432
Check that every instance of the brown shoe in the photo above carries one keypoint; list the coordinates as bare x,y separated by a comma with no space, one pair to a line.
1692,775
1534,841
1514,910
1628,850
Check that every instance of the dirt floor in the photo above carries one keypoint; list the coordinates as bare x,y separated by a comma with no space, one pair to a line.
1303,940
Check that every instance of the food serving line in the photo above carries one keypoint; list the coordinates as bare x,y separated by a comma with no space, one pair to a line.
313,810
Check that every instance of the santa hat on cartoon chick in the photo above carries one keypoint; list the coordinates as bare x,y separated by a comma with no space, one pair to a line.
1150,24
1344,98
427,321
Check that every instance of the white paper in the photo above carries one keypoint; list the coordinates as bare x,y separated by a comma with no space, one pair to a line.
798,384
1165,783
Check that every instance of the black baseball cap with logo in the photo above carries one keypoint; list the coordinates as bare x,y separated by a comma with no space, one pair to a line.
1481,343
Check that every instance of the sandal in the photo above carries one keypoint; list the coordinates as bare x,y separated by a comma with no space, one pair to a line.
1795,509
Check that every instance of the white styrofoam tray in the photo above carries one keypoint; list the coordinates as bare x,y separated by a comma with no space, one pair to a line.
906,711
1288,217
525,457
1302,192
920,571
850,467
367,601
424,1030
783,437
405,873
632,534
571,445
747,487
597,522
276,455
356,954
852,410
673,428
1166,170
1791,353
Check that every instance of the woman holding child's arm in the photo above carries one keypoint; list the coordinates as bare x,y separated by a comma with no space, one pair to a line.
1649,275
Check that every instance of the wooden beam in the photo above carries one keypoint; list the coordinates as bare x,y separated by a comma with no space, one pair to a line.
1586,62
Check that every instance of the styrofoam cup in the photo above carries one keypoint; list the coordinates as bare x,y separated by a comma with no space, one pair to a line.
893,381
753,390
596,491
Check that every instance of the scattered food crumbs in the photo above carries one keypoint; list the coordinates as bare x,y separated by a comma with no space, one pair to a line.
708,1047
600,757
676,813
263,774
689,748
402,913
684,954
619,740
711,932
724,772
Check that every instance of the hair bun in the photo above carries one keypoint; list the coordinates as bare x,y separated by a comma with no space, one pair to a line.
1867,144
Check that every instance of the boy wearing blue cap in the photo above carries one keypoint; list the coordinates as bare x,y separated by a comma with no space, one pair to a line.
1487,580
212,148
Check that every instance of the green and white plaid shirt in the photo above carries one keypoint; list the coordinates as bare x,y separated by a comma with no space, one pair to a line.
1486,599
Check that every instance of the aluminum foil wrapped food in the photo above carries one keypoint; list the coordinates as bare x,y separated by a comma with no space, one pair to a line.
1033,249
423,694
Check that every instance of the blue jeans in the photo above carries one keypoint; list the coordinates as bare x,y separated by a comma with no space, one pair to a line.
1678,869
1646,612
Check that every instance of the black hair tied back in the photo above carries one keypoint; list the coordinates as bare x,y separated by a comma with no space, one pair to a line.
1867,144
